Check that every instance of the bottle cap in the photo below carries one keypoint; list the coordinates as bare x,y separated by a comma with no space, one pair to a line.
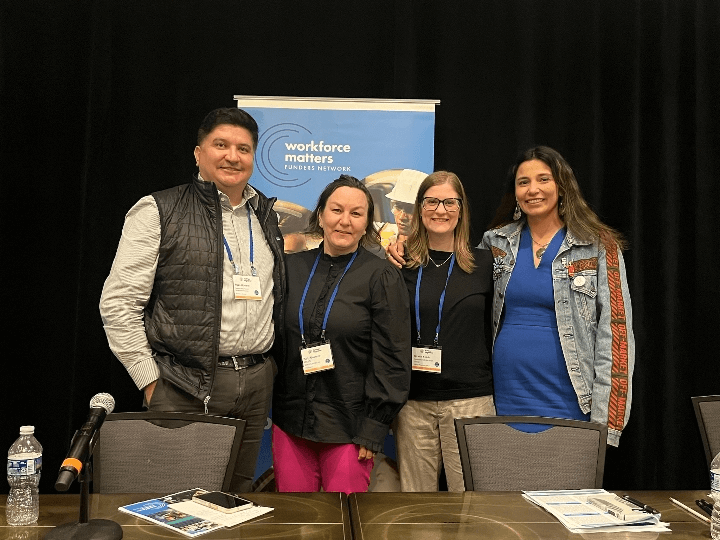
27,430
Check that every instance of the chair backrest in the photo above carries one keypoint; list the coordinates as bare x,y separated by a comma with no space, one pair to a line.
707,412
154,452
497,457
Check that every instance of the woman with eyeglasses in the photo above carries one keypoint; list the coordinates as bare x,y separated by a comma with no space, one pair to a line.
450,286
562,319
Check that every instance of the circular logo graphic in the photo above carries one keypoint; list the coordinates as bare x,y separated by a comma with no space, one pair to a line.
272,148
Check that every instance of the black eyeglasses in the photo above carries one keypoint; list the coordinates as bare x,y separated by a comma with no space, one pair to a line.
451,204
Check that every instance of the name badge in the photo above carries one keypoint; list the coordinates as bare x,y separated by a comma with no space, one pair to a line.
317,357
246,287
427,358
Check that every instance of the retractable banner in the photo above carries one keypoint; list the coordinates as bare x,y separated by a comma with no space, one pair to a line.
306,143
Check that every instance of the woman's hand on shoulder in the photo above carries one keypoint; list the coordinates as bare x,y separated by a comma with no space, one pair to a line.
395,253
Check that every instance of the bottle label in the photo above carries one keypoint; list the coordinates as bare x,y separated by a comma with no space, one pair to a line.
24,467
715,480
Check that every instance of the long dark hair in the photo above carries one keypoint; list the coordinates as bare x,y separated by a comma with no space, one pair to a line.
574,211
371,236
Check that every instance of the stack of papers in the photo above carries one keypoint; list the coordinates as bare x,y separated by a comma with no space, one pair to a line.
579,510
181,514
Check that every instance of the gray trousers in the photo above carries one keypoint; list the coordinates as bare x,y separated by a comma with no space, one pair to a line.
245,394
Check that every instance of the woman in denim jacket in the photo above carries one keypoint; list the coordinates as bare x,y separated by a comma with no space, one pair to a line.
562,326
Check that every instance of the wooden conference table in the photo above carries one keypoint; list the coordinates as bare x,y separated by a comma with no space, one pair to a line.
371,516
310,516
498,516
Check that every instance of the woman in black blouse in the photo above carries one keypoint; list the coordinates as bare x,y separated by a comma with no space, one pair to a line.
450,286
346,373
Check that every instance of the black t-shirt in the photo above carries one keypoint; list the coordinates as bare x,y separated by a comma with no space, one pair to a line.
465,335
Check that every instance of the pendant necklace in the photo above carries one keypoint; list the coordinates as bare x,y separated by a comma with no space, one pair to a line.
541,250
439,265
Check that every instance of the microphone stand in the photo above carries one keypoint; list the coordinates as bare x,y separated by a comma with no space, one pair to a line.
86,529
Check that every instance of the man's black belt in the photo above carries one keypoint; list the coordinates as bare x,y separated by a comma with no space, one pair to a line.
241,362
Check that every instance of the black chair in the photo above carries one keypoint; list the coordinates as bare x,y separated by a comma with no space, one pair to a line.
497,457
154,452
707,412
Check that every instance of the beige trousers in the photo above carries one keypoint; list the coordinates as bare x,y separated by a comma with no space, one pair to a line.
425,439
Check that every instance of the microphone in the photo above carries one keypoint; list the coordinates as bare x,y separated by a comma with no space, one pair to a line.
80,449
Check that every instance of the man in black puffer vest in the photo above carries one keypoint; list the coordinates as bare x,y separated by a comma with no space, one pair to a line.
193,305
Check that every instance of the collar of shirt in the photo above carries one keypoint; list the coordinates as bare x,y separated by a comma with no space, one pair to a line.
340,259
249,194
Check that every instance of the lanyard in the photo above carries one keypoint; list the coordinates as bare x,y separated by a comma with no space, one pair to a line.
330,303
442,300
252,252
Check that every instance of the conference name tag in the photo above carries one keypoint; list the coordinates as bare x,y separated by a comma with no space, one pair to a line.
427,358
246,287
317,357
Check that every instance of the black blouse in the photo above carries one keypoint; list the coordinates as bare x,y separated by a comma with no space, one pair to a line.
369,333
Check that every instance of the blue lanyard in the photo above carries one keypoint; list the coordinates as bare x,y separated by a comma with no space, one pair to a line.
330,303
442,300
252,252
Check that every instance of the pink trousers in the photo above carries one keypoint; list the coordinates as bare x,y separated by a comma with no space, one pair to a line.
302,465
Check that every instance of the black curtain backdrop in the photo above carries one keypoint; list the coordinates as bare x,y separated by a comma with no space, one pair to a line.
100,101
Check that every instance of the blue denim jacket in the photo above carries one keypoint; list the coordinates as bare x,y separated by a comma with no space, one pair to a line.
594,319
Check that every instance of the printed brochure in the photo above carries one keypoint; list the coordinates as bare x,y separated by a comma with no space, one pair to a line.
180,513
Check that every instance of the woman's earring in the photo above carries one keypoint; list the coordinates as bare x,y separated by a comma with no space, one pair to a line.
517,213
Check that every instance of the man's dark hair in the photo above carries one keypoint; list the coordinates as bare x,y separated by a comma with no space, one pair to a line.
231,116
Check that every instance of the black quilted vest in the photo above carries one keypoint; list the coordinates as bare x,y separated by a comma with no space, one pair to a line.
182,317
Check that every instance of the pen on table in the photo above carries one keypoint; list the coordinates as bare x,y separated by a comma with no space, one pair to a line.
644,507
702,503
693,512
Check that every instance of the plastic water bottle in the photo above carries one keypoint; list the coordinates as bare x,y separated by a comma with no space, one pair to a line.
715,487
23,473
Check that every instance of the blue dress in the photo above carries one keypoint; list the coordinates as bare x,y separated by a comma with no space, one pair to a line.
529,368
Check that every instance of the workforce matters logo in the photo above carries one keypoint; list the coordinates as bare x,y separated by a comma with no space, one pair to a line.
288,154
